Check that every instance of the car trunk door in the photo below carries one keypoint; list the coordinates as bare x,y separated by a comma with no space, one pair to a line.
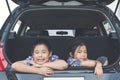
117,10
39,2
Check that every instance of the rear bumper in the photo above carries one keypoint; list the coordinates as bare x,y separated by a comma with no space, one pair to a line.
63,76
3,76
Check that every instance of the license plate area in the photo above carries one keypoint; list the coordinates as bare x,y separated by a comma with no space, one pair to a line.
64,78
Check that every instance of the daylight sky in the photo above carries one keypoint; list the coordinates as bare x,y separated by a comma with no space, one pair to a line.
4,10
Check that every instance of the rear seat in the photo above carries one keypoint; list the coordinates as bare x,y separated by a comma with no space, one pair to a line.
21,47
97,46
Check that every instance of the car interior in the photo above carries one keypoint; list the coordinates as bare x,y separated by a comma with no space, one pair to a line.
61,28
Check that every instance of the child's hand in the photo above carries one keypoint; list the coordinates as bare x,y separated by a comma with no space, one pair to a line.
98,70
35,64
45,71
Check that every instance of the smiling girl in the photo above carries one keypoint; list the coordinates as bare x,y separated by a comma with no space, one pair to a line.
78,57
41,62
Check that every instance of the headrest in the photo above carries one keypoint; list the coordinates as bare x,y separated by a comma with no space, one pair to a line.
36,33
88,32
33,33
92,32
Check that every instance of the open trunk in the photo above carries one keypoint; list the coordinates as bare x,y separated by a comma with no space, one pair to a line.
61,22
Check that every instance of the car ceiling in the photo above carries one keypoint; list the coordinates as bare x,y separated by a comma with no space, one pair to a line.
61,18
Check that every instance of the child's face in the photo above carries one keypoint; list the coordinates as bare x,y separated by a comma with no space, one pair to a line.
41,54
80,53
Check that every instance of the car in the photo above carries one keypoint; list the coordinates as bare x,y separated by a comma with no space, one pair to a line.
61,22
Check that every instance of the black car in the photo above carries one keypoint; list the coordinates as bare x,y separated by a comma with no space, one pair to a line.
61,22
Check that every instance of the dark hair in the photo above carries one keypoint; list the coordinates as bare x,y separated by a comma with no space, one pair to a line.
39,42
74,45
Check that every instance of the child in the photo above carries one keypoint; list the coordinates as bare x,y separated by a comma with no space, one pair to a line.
41,61
78,57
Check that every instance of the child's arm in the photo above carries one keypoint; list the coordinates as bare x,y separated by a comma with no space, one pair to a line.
57,64
98,69
88,63
20,66
92,63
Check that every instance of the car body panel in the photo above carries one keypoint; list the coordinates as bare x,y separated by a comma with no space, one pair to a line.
3,76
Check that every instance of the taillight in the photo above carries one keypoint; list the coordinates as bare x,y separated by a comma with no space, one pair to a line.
3,62
1,44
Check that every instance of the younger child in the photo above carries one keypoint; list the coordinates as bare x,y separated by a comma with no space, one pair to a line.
41,61
78,57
